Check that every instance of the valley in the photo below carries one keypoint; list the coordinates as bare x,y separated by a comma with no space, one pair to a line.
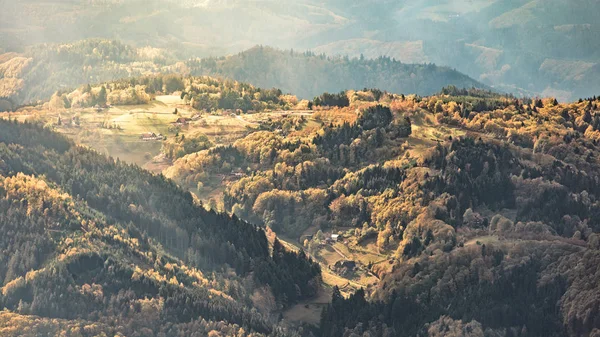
117,131
359,182
278,168
375,190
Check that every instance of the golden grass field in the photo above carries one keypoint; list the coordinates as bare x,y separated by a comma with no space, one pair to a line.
117,131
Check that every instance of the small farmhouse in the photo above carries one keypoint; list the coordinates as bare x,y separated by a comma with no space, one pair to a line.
181,121
148,136
333,238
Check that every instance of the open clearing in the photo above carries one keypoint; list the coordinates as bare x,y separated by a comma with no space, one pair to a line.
116,131
309,311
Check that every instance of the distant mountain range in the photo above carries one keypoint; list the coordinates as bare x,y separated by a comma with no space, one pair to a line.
523,46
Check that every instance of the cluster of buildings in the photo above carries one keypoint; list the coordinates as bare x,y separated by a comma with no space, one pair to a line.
328,238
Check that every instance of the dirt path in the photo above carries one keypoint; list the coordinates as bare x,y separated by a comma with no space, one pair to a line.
339,252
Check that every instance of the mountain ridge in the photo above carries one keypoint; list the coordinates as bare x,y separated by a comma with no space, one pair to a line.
45,69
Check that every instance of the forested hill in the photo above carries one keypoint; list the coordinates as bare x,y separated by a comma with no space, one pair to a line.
477,212
507,243
91,242
308,75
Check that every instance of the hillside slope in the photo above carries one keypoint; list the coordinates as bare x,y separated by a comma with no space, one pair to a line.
89,240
